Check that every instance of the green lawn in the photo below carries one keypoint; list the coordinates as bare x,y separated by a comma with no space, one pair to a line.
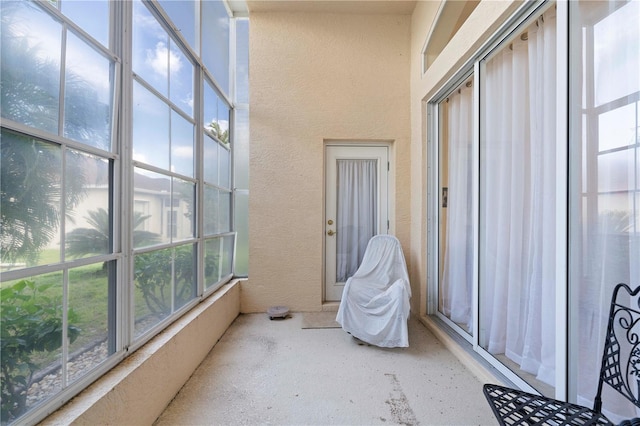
88,298
45,257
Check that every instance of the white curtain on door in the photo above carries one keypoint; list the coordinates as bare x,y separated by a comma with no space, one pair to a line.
456,284
357,214
518,201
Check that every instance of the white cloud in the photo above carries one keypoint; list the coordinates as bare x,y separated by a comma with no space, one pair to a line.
189,101
157,60
175,62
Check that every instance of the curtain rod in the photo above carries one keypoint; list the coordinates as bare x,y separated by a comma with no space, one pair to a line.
525,35
467,84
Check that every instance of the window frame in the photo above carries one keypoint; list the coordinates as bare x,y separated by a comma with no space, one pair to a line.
64,265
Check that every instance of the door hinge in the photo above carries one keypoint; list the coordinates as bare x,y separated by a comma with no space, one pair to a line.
387,225
388,167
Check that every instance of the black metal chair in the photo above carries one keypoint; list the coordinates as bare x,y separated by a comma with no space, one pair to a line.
620,369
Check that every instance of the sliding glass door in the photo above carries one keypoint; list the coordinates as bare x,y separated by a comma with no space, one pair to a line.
538,219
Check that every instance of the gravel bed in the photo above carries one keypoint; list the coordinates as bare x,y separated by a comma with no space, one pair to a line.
52,381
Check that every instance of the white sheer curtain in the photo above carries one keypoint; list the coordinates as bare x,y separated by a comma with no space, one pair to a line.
456,289
357,215
517,218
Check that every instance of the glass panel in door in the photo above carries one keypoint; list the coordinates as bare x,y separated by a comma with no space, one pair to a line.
355,209
357,221
517,223
455,283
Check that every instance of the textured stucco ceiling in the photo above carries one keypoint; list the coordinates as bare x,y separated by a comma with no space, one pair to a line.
397,7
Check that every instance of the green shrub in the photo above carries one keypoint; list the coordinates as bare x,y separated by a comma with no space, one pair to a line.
30,322
153,278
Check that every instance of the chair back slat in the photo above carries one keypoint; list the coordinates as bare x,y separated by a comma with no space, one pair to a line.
620,367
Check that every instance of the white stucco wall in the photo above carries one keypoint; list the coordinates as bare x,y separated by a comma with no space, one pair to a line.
313,77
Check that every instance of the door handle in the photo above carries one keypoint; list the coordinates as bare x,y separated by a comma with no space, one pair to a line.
331,232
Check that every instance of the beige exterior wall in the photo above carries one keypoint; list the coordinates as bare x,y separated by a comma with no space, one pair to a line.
319,76
316,77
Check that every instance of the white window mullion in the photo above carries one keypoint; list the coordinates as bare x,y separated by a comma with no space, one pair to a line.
562,172
478,69
123,177
64,360
232,60
199,173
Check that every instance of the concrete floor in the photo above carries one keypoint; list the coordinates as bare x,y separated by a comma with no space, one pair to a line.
275,372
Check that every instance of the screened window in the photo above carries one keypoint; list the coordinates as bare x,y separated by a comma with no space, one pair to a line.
241,149
215,42
94,167
92,17
57,179
605,196
185,16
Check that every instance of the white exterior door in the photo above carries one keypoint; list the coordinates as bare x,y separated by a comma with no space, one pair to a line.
356,209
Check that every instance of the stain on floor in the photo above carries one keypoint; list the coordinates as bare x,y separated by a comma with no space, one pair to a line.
401,412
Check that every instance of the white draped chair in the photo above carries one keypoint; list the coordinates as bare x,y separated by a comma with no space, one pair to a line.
375,301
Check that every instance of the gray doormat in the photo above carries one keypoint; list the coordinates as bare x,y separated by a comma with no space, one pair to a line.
319,320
